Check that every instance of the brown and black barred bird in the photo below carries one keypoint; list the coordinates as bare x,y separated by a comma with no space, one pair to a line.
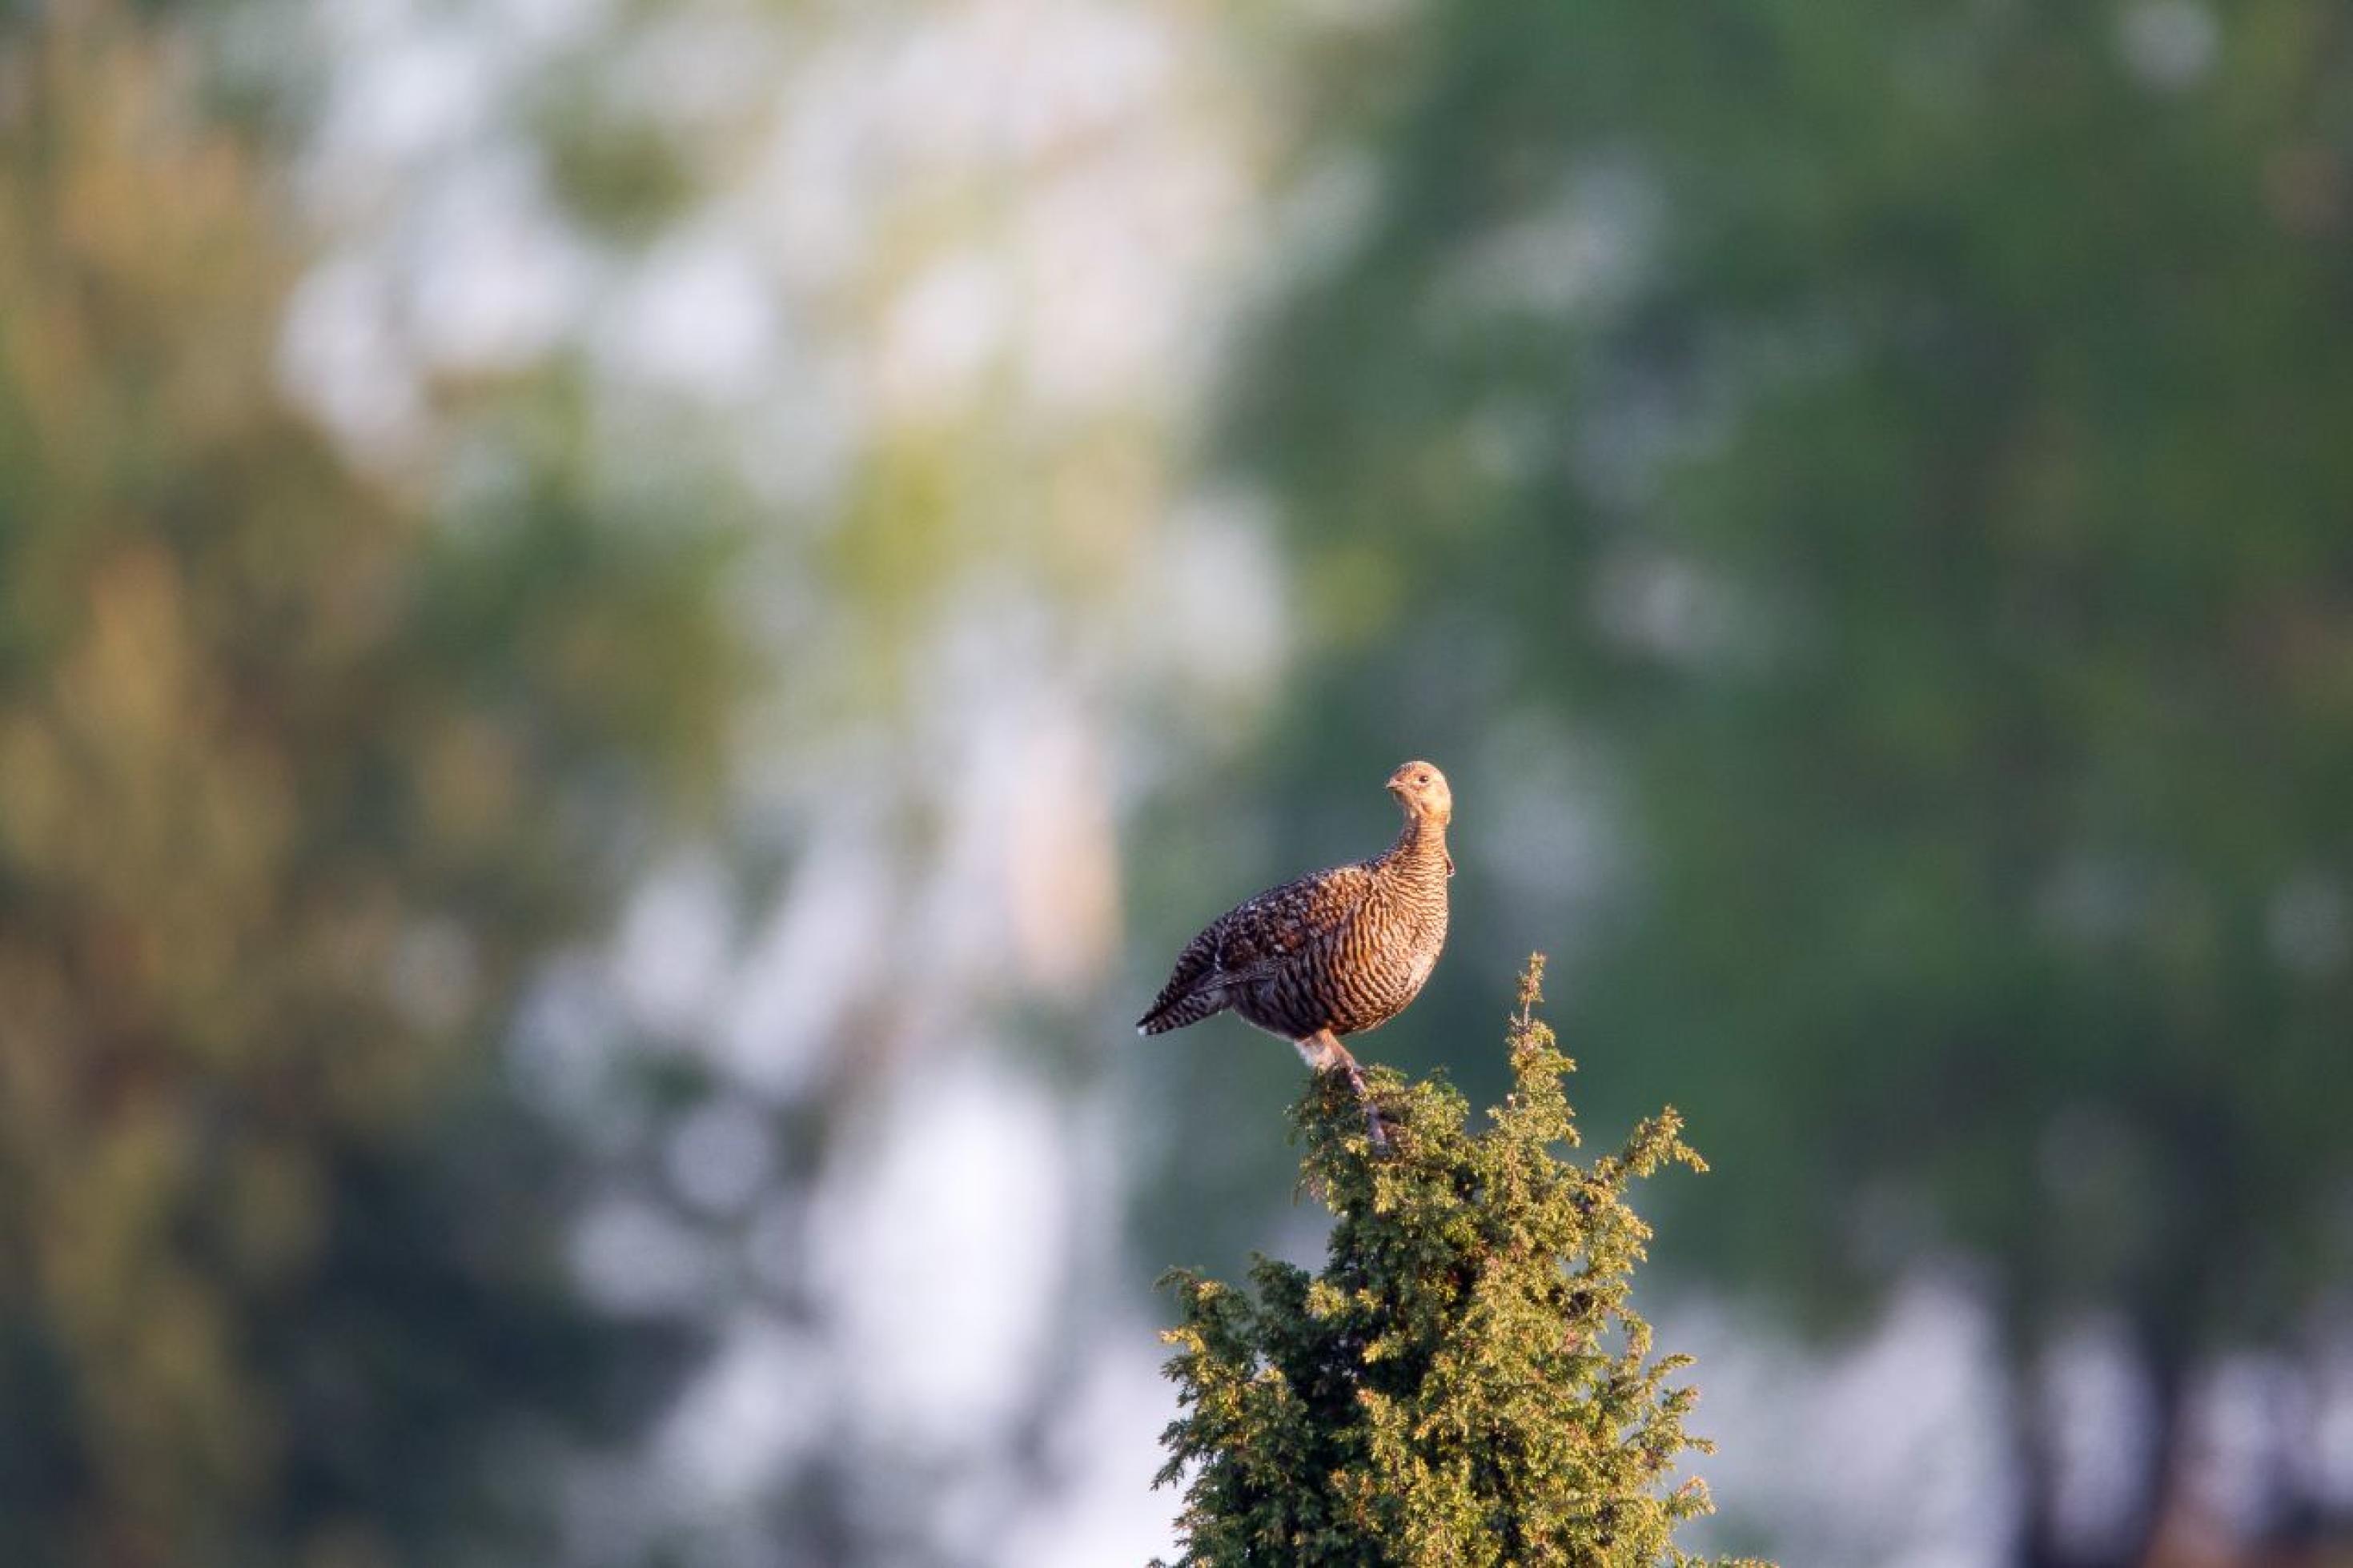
1333,953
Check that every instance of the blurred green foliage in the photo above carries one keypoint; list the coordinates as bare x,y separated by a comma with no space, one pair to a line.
1905,445
296,786
1466,1381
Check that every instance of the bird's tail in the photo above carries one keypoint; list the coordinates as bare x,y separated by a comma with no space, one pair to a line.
1176,1012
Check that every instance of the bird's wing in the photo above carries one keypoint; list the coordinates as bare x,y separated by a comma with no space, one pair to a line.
1262,933
1253,939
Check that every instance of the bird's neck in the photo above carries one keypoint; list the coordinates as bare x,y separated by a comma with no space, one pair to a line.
1421,842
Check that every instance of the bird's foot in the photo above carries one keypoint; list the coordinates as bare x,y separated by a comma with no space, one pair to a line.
1324,1052
1374,1127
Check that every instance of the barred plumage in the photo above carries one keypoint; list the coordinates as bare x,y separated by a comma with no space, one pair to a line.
1335,953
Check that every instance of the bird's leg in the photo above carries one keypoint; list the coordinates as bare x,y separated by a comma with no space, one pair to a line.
1324,1053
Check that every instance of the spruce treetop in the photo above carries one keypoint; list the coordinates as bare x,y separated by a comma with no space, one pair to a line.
1466,1381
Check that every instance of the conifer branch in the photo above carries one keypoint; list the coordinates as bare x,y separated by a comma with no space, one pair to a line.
1465,1382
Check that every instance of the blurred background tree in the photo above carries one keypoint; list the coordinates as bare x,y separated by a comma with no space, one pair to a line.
298,782
1893,458
926,290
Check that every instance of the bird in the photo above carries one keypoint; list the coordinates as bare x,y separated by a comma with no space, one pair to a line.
1334,952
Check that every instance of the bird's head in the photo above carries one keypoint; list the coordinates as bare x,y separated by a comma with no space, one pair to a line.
1421,790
